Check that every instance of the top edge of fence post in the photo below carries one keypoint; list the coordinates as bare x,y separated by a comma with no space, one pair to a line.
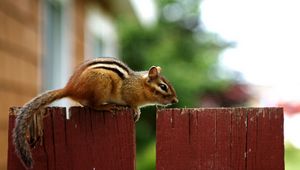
218,108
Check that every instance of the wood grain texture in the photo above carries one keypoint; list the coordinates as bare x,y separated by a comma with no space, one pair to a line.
220,138
88,140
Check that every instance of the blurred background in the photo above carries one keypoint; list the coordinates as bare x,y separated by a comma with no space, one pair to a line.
215,53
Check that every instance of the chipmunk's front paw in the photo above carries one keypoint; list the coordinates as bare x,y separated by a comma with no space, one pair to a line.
136,115
112,108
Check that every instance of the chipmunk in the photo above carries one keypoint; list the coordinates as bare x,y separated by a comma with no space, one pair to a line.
102,84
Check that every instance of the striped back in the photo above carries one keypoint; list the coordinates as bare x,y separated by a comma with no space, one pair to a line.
111,64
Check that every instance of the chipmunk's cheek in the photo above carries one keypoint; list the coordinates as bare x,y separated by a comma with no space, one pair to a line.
167,102
171,100
163,102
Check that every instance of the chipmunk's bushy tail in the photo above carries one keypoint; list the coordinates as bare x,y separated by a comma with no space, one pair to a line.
24,117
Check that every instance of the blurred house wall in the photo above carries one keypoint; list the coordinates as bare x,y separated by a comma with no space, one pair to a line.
23,48
20,54
79,29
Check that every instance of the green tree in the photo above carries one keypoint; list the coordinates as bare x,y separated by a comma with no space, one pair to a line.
188,57
187,54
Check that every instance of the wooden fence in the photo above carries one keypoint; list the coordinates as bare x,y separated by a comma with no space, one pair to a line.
231,138
193,139
87,141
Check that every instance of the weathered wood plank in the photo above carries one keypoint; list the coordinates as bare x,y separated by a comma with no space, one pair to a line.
88,140
223,140
220,138
238,139
207,134
265,139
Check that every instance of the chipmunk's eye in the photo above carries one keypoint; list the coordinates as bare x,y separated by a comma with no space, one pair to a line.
163,87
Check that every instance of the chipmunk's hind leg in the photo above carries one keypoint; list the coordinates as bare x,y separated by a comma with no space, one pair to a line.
109,107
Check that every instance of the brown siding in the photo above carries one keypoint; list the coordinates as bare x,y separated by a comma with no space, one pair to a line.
20,51
79,26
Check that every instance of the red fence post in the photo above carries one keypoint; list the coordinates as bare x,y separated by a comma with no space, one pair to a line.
88,140
220,138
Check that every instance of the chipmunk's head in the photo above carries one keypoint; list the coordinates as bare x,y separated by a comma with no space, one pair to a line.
162,91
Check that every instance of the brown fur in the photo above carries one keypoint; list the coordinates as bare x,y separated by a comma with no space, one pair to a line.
94,86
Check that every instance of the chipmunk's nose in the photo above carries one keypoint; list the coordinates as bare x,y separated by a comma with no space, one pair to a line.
175,100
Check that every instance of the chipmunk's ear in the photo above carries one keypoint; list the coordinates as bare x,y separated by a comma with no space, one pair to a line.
154,72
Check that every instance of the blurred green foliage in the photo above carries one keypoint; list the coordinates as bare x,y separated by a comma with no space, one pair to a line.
292,157
188,57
